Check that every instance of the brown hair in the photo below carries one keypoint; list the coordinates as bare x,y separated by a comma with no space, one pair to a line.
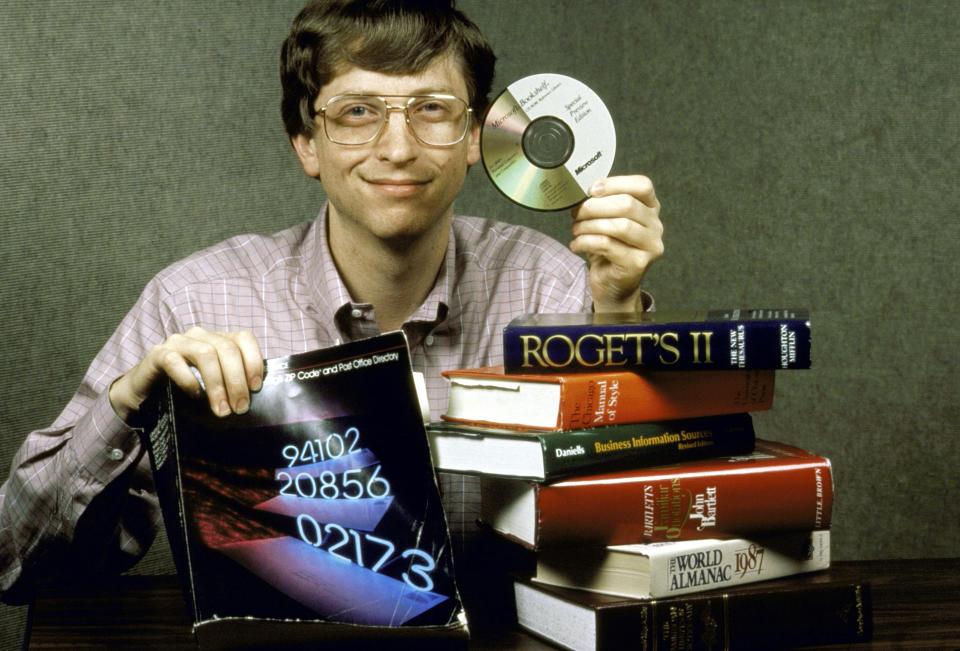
390,36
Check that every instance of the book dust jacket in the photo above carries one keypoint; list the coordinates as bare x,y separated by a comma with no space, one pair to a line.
316,514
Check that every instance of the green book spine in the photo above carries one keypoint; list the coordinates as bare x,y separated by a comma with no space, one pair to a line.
645,444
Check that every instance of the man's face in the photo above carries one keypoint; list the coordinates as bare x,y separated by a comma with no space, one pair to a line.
394,187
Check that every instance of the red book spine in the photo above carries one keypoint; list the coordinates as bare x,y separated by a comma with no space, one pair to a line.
780,489
633,398
612,398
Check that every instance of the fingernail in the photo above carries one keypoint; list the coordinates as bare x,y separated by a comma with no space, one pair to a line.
596,188
257,383
223,408
243,405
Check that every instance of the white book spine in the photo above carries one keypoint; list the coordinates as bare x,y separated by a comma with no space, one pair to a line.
678,568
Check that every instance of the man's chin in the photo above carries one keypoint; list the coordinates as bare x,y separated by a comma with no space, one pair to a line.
402,236
401,229
397,222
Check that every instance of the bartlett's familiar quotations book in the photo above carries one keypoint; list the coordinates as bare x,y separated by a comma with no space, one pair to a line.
316,514
777,487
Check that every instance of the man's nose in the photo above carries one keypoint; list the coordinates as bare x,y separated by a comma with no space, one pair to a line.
396,138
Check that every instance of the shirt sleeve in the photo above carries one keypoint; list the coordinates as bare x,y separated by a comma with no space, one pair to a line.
79,495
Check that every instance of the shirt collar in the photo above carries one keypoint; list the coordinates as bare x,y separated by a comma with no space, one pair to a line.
436,307
329,295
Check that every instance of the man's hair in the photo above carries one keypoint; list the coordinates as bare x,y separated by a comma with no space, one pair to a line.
390,36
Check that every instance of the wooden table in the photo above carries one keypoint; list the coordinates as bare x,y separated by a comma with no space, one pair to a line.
916,603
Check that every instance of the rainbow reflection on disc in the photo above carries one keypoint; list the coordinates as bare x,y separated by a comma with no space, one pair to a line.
545,140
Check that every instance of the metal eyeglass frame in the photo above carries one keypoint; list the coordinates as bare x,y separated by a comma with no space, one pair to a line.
406,115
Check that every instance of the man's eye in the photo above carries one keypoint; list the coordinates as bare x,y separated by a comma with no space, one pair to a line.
357,113
433,110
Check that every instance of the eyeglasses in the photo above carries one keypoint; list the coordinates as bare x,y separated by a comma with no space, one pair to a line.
437,120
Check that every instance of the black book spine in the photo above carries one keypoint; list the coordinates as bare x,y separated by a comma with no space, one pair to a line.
716,342
826,614
645,444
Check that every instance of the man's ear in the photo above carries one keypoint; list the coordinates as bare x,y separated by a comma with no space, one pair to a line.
473,153
306,149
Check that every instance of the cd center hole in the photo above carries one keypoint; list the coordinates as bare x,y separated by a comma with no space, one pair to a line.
547,142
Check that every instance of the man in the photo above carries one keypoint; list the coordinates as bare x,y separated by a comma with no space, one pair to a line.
382,101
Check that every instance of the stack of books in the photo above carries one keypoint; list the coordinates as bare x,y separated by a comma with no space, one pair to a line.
620,449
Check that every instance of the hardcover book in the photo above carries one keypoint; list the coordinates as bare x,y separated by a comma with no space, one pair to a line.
550,455
568,401
658,570
316,514
811,609
694,340
777,487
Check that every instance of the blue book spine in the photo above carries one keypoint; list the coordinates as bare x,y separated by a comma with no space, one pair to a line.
707,340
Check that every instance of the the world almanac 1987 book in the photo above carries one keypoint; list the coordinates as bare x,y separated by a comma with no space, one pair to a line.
315,516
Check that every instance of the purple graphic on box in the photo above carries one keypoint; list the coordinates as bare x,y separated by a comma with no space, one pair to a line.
331,584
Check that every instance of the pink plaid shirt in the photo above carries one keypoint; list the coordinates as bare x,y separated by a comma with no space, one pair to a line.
286,290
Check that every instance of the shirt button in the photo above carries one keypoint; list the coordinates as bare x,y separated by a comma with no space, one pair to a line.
356,313
428,340
115,454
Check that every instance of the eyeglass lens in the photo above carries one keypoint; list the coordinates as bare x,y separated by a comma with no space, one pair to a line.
357,119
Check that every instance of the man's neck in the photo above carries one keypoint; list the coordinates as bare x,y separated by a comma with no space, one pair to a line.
395,277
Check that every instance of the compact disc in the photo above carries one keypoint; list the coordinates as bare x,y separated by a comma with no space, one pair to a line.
545,140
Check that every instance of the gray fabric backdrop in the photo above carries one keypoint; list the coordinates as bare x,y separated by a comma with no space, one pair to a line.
805,154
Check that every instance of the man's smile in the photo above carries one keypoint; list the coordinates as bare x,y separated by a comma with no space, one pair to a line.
398,187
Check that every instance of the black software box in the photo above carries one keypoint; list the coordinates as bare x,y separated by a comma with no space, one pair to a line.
315,516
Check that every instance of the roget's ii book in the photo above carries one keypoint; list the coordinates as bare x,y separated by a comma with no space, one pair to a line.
688,340
315,515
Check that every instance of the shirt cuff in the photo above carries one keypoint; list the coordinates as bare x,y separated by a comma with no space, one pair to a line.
106,446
